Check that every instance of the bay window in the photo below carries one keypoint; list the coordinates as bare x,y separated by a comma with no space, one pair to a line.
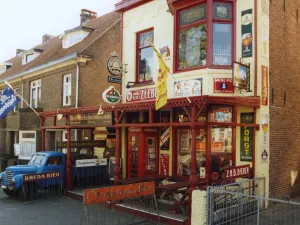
204,38
35,93
144,56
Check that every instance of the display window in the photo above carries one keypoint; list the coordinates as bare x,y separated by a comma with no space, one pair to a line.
185,148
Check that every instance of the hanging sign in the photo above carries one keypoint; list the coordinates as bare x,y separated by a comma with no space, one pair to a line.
241,75
247,20
111,95
223,85
246,137
91,162
141,95
237,171
114,65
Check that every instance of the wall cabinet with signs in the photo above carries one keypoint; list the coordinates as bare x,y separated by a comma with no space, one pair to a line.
143,151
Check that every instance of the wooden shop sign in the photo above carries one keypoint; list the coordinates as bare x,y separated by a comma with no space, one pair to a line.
141,95
82,144
91,119
237,171
41,176
115,193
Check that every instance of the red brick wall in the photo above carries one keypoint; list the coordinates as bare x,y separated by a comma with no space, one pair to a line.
284,117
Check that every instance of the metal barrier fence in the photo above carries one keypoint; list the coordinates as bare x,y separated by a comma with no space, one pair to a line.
41,186
121,205
235,201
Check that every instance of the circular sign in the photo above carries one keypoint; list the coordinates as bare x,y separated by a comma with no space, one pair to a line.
214,176
111,95
114,66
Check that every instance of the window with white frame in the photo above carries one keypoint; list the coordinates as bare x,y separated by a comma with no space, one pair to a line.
29,57
2,69
16,108
35,93
67,90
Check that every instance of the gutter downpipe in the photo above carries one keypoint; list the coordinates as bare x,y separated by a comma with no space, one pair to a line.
77,91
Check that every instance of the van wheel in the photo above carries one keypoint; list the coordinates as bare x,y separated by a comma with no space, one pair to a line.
9,192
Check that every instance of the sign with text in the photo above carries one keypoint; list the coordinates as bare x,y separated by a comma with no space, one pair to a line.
91,119
223,85
164,131
91,162
41,176
141,95
115,193
117,80
246,137
184,88
237,171
81,144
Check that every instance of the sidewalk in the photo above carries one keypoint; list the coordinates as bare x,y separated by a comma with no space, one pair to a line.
62,211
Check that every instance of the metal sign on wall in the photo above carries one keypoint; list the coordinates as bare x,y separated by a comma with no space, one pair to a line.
141,95
223,85
246,137
91,119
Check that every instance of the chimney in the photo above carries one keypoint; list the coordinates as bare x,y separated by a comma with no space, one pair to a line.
19,51
46,38
86,16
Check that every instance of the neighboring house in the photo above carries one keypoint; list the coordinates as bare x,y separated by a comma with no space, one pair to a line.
67,71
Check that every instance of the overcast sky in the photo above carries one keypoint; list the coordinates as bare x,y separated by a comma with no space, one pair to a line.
24,22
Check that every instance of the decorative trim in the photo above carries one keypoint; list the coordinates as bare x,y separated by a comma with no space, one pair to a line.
129,4
252,102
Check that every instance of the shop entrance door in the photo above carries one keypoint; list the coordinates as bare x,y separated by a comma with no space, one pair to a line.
142,152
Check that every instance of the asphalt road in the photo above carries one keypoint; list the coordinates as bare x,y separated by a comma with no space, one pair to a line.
45,212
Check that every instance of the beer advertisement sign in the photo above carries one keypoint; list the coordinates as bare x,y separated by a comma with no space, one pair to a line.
246,137
247,21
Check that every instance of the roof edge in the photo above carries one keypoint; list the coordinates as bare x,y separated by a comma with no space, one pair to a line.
43,66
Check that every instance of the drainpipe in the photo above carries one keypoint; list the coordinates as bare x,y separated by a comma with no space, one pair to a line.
77,87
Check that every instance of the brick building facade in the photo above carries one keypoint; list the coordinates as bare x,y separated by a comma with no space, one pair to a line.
284,92
84,60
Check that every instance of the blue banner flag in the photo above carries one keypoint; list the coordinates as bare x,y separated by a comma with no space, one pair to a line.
8,100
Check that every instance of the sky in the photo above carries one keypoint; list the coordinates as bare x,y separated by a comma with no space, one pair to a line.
24,22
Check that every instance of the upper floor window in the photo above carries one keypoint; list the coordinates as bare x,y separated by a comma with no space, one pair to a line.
2,69
67,90
74,36
29,57
204,37
144,56
35,93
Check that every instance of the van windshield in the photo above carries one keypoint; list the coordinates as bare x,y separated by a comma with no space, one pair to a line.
37,159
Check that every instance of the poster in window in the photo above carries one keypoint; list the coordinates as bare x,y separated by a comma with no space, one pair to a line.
247,21
246,137
164,164
223,114
164,131
184,138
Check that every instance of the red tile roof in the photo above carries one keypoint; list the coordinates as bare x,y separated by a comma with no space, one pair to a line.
52,49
